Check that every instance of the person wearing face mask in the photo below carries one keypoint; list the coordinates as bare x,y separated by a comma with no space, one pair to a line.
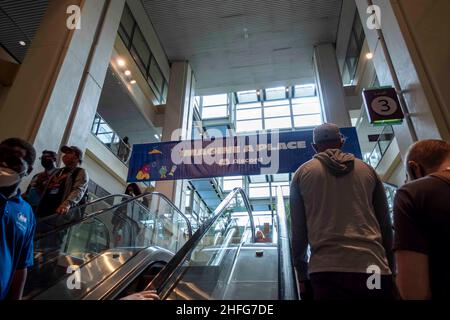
37,185
17,221
67,187
422,223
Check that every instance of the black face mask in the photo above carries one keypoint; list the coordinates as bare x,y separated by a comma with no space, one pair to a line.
48,164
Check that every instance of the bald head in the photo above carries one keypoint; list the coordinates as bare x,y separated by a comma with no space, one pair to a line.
426,157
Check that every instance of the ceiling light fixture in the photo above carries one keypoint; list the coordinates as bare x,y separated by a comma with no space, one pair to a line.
22,43
121,62
128,73
133,81
369,56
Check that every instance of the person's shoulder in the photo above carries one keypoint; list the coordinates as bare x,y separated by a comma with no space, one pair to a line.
363,165
424,184
306,167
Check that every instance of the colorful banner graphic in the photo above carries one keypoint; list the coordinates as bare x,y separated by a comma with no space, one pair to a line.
269,153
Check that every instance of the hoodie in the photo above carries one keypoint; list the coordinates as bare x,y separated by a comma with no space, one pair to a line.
339,209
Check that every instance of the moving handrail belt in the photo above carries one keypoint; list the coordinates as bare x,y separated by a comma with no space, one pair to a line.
183,254
94,214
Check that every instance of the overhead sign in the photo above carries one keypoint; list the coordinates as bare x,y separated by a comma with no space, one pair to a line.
383,106
271,153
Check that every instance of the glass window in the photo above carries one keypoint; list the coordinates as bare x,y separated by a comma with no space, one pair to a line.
166,91
249,125
280,111
278,123
188,198
156,75
247,96
306,108
285,189
276,103
280,177
259,190
305,91
127,22
308,121
141,48
248,105
260,178
215,112
229,183
276,93
215,100
248,114
305,100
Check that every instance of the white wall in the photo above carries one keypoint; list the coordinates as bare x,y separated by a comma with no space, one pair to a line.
104,168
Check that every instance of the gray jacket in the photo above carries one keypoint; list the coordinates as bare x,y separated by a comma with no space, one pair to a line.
339,208
75,187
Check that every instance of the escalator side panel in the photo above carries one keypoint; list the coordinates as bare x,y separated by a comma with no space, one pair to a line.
254,277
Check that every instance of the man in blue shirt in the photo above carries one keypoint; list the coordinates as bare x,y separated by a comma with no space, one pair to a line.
17,221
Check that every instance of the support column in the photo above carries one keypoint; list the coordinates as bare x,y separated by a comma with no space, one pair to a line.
56,91
329,84
420,60
178,122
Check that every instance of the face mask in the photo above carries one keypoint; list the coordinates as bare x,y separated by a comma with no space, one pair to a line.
8,177
47,163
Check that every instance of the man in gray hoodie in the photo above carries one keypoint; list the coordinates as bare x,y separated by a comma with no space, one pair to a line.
339,208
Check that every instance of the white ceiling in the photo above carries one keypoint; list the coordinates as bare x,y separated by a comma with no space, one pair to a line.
235,44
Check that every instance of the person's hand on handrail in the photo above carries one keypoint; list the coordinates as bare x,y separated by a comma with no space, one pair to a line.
144,295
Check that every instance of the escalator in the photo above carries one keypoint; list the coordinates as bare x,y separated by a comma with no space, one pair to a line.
224,260
104,244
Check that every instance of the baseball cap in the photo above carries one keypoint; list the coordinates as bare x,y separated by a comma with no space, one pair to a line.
76,150
49,153
326,132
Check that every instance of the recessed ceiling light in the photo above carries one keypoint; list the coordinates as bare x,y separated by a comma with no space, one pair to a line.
128,73
22,43
133,81
121,62
369,56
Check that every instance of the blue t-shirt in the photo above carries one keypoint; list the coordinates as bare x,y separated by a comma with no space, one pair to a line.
17,227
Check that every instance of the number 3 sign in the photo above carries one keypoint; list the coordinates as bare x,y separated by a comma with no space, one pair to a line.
382,106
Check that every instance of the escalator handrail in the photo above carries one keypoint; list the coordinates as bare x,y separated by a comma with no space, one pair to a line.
182,255
94,214
287,283
74,209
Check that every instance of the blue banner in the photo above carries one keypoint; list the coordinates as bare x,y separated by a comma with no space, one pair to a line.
269,153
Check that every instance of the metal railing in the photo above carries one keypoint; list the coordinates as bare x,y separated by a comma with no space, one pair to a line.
287,282
85,217
103,131
384,141
163,278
